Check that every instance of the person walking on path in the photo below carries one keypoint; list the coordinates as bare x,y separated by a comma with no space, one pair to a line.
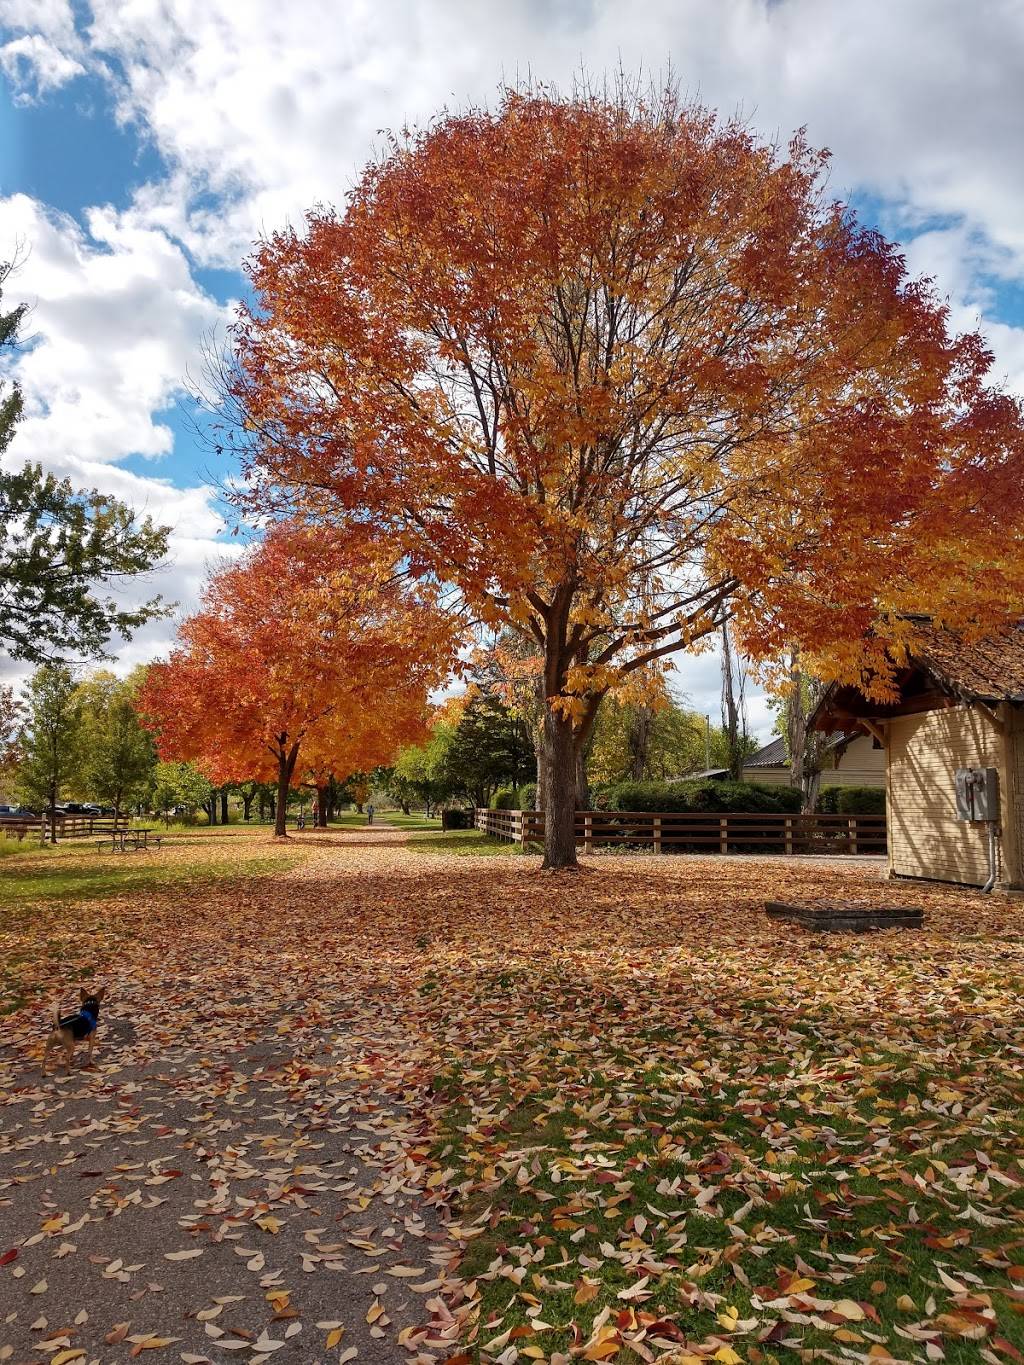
369,814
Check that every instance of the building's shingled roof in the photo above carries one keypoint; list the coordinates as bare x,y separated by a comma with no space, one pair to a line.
990,669
773,755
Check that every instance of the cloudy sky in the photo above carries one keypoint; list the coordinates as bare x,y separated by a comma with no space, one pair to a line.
145,145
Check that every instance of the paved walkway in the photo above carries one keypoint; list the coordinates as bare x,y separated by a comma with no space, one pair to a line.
231,1180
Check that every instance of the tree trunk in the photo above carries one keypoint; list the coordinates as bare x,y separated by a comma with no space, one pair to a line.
323,795
560,791
211,808
584,742
639,741
730,710
224,806
272,802
541,786
53,812
805,749
247,806
285,767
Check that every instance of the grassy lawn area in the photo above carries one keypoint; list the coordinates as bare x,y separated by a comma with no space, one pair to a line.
741,1143
468,841
55,900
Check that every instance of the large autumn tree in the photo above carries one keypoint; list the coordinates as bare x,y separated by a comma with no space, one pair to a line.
307,639
618,371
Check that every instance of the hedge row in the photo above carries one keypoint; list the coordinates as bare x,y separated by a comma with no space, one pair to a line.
706,795
852,801
701,796
508,798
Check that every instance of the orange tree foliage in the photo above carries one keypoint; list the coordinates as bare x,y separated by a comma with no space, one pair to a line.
310,642
617,371
358,741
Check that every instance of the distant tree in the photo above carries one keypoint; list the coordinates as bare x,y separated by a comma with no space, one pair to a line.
734,704
12,720
64,552
424,767
641,742
51,742
797,694
491,747
179,786
119,757
306,634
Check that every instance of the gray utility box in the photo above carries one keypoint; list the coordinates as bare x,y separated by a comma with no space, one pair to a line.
977,794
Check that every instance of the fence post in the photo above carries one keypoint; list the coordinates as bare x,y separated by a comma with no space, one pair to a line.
853,833
789,834
588,832
657,834
520,829
723,833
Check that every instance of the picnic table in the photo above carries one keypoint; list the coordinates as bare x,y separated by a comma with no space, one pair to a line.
121,840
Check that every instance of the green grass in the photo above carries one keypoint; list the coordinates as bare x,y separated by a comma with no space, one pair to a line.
55,878
468,842
875,1202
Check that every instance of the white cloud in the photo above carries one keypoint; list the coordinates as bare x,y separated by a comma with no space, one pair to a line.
35,66
262,109
43,56
276,106
116,321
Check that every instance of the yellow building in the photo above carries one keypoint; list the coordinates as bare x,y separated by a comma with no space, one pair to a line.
960,709
855,760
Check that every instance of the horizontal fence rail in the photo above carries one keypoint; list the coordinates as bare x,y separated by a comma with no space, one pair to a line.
68,826
700,831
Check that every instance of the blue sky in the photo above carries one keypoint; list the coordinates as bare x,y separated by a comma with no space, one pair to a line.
144,147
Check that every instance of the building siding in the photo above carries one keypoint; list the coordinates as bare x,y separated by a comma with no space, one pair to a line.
861,765
925,837
1014,816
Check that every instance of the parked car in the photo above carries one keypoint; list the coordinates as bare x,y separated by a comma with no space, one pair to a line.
15,812
80,808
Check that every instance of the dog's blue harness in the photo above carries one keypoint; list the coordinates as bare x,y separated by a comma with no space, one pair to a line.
90,1020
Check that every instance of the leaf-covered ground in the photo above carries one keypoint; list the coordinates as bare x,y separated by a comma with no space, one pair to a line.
386,1104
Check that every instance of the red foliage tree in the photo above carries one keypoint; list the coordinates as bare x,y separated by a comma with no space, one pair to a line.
311,637
619,373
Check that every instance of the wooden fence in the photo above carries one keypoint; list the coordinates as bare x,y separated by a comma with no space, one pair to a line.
68,826
700,831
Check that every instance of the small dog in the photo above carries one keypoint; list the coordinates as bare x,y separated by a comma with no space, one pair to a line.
72,1028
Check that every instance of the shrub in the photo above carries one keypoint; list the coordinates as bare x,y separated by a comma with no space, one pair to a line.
528,795
860,801
700,795
456,819
505,798
828,801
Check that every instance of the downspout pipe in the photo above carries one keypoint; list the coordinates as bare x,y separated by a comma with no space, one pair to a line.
992,861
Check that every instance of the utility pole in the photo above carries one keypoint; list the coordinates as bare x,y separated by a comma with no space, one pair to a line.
707,741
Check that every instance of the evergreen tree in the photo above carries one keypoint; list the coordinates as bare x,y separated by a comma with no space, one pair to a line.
64,552
52,739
